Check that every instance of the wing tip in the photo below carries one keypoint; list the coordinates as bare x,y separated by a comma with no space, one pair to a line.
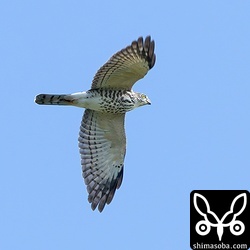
100,197
146,48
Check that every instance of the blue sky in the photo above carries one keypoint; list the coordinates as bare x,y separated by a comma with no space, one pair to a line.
195,135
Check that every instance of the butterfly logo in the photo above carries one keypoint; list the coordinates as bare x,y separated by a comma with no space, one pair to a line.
203,227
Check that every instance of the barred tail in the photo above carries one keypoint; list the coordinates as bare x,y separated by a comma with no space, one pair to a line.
46,99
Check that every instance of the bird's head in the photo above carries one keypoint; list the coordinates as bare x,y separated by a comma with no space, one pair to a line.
142,99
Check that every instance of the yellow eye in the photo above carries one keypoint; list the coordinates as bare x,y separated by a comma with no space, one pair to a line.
143,96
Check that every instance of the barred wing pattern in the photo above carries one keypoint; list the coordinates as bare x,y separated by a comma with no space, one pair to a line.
102,139
102,146
126,66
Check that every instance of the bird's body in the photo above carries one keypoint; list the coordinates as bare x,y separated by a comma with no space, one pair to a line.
102,139
103,100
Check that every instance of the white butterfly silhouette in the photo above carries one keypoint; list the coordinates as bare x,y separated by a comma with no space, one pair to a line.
203,227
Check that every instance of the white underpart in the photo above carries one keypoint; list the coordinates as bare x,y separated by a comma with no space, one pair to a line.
86,100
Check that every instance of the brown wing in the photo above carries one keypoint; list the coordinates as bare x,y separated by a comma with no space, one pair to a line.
102,146
126,66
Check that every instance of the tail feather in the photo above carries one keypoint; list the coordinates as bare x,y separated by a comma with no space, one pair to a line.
45,99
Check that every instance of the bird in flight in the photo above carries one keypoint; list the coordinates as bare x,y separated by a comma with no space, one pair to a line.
102,139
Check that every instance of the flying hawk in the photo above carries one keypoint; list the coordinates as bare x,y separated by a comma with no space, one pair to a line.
102,140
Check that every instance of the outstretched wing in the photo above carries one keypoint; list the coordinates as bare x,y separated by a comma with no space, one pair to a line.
126,66
102,144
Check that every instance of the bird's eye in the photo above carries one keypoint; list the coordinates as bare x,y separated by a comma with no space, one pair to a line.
143,96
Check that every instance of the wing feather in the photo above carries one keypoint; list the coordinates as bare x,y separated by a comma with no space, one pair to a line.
102,146
126,66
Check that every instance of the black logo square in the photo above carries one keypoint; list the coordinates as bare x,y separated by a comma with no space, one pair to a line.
220,219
